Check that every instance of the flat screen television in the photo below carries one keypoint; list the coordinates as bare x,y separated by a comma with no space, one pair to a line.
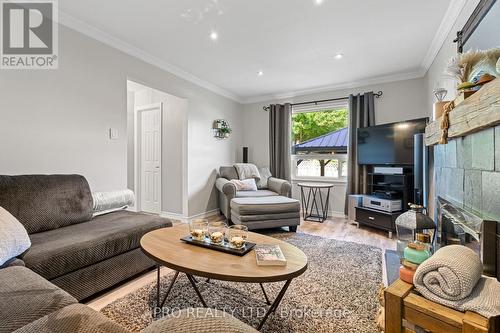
389,144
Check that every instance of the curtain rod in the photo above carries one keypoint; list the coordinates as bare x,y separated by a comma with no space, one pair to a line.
377,95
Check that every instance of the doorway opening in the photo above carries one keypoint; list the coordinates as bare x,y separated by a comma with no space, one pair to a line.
156,159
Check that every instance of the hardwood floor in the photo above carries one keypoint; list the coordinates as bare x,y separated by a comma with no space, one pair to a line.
333,228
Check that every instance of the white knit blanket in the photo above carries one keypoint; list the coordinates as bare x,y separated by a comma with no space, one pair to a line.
106,202
452,277
247,170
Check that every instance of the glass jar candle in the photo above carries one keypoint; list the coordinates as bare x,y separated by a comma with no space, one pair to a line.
198,229
236,236
216,232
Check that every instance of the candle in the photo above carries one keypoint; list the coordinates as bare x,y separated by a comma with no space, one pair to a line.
216,237
198,234
237,242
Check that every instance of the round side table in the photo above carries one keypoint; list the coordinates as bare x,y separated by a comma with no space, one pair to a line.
310,208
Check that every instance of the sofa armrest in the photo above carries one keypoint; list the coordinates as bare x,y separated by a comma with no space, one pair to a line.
280,186
226,187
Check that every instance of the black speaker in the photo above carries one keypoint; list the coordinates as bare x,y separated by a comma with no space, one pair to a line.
420,170
245,154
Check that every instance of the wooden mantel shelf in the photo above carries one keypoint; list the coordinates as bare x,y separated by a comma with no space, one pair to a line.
479,111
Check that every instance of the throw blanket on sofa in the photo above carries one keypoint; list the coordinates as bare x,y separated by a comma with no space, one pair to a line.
106,202
247,170
452,277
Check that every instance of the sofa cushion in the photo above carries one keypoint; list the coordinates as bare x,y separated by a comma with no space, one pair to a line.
46,202
228,172
76,318
64,250
265,174
258,193
25,296
264,205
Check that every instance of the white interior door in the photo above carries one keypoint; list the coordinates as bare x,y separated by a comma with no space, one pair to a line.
150,119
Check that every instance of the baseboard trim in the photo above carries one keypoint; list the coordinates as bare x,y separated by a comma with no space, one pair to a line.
337,214
331,213
185,219
173,216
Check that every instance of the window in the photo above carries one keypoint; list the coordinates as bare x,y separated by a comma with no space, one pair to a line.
320,140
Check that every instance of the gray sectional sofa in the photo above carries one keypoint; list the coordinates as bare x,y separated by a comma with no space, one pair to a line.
73,256
31,304
77,252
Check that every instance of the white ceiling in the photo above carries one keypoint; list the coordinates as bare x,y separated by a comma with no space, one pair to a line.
292,41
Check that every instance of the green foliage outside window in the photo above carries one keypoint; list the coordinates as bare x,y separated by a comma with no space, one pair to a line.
310,125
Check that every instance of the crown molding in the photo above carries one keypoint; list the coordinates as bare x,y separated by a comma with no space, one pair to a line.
450,17
452,13
103,37
347,85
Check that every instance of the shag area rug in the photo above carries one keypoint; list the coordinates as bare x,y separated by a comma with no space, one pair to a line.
337,293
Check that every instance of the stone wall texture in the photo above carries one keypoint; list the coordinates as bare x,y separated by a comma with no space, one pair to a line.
467,172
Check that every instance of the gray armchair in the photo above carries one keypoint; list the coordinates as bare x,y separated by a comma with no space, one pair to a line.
227,190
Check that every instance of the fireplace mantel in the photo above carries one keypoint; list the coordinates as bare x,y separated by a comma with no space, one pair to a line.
479,111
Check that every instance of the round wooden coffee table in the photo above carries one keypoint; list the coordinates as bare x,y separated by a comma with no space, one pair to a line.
166,249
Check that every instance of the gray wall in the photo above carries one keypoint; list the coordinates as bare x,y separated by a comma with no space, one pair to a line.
57,121
467,172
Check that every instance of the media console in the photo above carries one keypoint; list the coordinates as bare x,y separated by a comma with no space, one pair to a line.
395,160
388,187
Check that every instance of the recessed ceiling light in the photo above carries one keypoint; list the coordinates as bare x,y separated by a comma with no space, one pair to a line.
338,56
318,2
214,35
260,73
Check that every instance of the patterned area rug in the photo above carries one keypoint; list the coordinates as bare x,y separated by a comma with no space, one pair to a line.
337,293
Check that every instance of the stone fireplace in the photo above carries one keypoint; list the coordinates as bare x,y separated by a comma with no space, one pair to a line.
467,173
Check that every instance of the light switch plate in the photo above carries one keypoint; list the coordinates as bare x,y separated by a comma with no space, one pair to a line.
113,133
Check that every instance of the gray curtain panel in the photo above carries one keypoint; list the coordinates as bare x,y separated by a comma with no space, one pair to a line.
361,114
280,117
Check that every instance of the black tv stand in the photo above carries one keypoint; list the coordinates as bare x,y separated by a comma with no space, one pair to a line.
395,186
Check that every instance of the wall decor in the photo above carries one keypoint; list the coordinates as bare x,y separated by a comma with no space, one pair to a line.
472,70
221,129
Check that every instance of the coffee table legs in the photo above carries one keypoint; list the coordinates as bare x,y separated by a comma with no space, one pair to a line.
275,304
265,294
168,290
158,291
193,283
192,280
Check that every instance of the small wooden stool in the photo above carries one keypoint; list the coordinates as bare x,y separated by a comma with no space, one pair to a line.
405,310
